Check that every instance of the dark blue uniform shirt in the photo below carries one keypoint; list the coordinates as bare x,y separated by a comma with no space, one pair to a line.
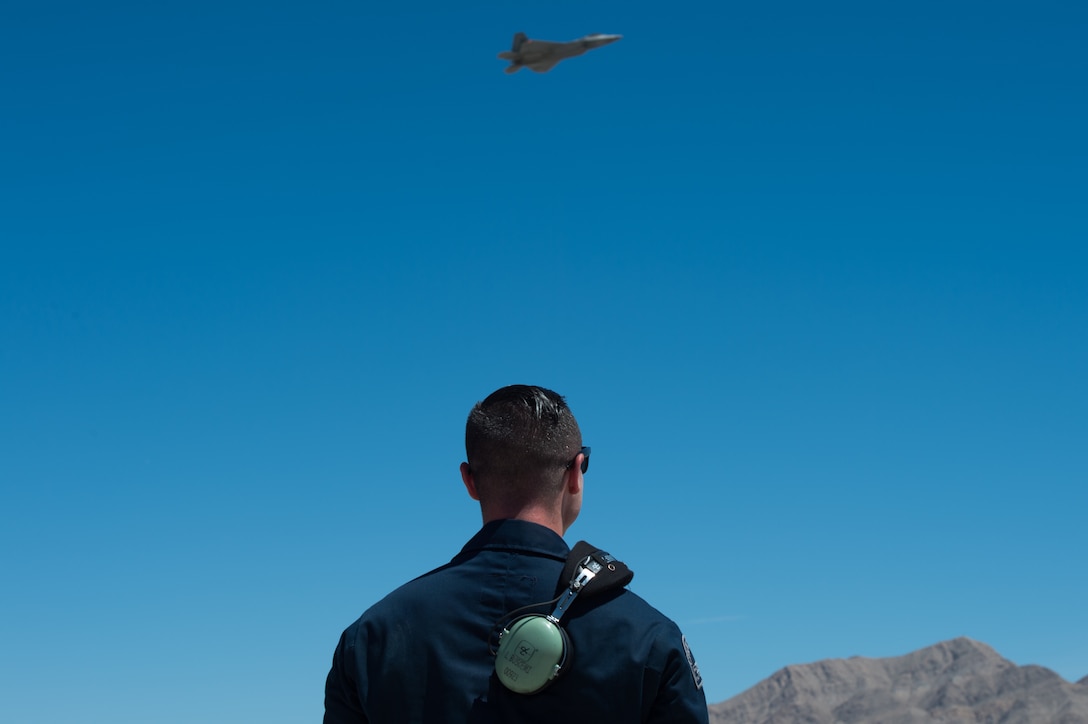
422,653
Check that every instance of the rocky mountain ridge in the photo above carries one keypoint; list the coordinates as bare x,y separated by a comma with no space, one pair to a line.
961,680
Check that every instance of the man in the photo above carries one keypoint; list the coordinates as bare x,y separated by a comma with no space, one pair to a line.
425,653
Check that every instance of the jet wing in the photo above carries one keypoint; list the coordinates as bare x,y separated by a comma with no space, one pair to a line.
543,66
539,46
534,50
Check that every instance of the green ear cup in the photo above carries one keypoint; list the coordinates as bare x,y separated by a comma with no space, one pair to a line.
531,653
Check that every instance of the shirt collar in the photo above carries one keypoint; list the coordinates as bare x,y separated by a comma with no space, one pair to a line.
520,536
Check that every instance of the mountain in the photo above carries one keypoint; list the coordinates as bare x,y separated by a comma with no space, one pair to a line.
954,681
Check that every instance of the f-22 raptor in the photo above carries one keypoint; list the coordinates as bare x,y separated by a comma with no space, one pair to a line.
542,55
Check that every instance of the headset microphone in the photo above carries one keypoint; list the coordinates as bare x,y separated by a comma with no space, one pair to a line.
534,649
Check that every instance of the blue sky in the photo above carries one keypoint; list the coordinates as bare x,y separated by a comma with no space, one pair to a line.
812,277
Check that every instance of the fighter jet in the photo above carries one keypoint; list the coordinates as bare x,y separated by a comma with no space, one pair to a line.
542,55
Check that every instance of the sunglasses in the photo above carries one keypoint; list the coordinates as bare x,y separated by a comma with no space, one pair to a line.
585,460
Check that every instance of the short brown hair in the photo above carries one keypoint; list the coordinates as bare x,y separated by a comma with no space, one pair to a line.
519,441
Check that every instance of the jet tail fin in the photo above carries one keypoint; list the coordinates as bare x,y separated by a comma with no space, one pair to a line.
519,39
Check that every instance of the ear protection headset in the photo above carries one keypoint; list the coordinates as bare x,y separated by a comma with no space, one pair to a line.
534,649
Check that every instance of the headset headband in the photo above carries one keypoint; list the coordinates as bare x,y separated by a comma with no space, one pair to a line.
613,574
589,571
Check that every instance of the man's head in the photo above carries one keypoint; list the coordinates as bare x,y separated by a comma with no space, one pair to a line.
522,444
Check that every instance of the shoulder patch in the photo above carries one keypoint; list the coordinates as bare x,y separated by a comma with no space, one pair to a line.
691,662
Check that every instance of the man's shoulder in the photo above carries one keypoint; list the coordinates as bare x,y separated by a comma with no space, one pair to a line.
421,590
629,603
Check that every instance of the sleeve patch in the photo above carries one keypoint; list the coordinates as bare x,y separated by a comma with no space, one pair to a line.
691,662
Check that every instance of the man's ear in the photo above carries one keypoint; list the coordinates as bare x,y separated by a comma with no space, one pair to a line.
470,483
574,477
